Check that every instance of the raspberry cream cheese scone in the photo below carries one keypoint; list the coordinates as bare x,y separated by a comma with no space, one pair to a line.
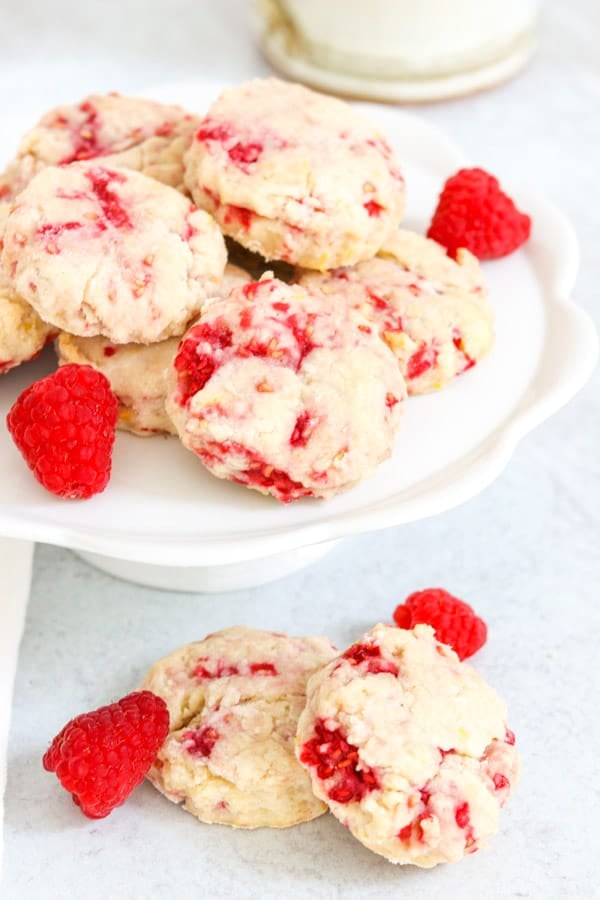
284,393
408,746
97,250
137,372
22,332
130,132
234,700
432,312
294,175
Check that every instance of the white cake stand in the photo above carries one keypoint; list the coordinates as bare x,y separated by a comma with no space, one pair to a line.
164,521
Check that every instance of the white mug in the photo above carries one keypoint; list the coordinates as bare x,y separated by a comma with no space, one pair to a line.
405,38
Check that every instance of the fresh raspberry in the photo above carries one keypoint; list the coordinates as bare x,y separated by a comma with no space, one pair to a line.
64,426
101,756
453,620
474,212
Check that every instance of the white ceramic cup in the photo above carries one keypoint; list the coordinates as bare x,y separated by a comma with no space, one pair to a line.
407,38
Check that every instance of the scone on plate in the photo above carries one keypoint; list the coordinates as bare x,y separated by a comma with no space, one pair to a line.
294,175
432,311
284,392
97,250
130,132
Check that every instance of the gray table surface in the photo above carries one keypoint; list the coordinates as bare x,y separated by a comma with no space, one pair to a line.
525,552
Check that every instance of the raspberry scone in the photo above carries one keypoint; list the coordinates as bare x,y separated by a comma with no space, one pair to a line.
22,332
234,700
294,175
284,393
136,371
108,251
408,746
432,311
125,131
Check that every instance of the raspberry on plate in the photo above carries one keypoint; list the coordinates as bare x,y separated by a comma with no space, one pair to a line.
453,620
64,426
101,756
473,212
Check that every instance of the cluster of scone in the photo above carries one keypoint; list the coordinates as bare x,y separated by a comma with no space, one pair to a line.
112,226
405,744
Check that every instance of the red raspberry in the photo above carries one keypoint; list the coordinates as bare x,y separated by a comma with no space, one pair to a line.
473,212
64,426
101,756
453,620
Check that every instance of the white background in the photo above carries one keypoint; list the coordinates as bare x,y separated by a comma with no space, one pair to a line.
525,552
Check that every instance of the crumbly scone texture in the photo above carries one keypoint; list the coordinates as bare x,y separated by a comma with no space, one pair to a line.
234,699
294,175
408,746
286,394
97,250
129,132
433,312
137,372
22,333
